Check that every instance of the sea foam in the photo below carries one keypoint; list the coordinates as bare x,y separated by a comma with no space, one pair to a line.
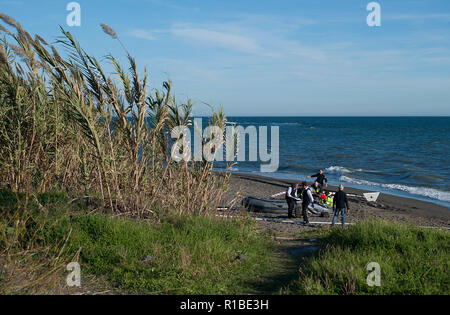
420,191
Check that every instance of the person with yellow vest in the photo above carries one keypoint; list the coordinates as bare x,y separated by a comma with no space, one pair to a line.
315,188
330,199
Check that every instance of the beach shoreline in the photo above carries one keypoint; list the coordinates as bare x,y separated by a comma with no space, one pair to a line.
387,207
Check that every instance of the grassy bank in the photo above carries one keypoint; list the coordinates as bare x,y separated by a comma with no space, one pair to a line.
184,255
41,234
189,256
412,261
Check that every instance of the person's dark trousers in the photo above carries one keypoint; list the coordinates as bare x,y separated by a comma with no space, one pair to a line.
291,206
305,206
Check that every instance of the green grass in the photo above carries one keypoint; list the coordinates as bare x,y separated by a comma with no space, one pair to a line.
197,255
185,255
190,256
412,261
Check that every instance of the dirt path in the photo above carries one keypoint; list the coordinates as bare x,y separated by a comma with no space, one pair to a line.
289,254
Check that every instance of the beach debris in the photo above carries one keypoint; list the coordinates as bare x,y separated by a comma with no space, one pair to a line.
372,196
227,208
148,260
277,195
241,257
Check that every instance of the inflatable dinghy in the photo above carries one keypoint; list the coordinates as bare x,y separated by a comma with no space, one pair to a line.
279,206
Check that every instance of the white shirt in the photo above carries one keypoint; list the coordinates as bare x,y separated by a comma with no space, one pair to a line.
310,196
290,193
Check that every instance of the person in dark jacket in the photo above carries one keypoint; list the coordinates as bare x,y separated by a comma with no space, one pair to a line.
340,205
291,199
307,200
321,178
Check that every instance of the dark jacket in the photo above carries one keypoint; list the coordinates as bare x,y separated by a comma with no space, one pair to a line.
307,196
320,178
340,200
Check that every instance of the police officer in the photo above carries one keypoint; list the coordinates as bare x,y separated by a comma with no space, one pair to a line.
291,199
307,200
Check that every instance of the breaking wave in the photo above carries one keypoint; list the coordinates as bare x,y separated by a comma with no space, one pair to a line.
420,191
337,170
344,170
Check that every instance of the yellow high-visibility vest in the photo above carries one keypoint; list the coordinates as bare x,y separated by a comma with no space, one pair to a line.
330,200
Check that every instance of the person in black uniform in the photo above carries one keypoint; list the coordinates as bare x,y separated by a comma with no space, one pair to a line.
307,200
320,178
291,199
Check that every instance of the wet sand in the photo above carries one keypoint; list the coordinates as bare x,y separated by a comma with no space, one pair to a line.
386,207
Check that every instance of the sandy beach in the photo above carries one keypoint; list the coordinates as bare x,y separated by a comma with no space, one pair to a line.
387,207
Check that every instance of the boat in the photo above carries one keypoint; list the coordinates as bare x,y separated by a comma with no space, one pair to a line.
279,206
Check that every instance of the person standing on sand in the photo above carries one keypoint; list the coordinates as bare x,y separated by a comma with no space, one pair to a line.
307,200
340,206
320,178
291,199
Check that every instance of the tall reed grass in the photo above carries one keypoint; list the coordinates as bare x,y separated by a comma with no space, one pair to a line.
66,124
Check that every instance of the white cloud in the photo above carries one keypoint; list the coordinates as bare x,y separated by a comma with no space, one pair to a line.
279,54
207,35
142,34
267,41
219,38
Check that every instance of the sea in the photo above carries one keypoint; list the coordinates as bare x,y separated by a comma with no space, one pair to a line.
402,156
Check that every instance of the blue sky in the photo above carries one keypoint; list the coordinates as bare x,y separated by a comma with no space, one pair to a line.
273,57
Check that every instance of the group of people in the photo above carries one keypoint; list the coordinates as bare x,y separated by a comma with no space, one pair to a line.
310,195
